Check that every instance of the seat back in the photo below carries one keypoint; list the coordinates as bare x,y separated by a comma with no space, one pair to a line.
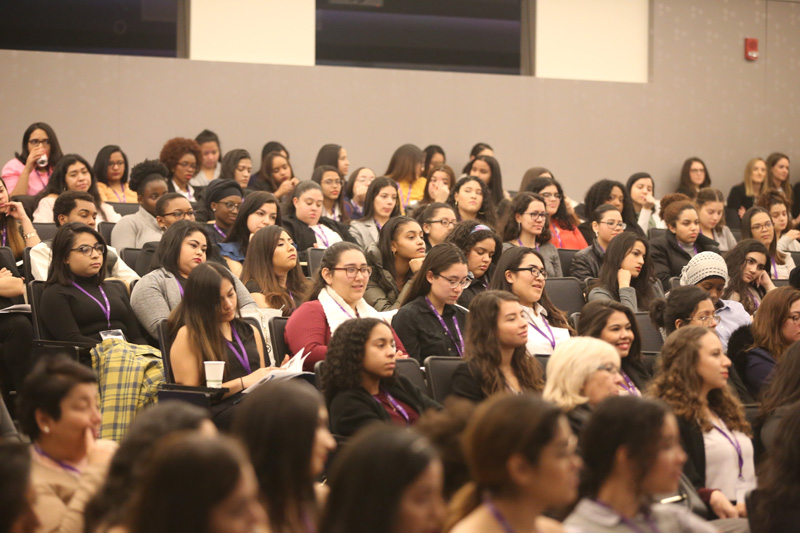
574,319
410,369
35,289
440,372
781,282
649,360
318,374
565,256
8,260
165,342
45,230
674,282
104,229
27,269
277,327
796,258
124,208
733,221
129,256
566,294
314,260
651,338
652,233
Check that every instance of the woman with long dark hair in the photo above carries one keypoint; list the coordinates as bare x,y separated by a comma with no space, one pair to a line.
333,155
711,217
694,176
606,223
641,188
487,169
758,224
608,192
472,200
440,180
259,210
563,225
111,169
405,169
30,169
332,183
437,220
275,175
780,210
237,166
749,278
779,397
434,157
355,192
528,224
380,205
17,229
483,248
684,306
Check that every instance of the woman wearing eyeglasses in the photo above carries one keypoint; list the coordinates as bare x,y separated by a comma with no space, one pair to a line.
181,157
259,210
563,222
337,294
429,323
111,169
747,269
527,224
223,199
437,220
606,223
29,171
332,182
77,305
684,306
775,327
521,272
757,224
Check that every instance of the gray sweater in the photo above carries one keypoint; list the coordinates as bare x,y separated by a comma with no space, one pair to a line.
157,294
552,263
627,296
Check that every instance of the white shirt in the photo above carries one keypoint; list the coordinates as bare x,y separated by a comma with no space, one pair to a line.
189,194
325,236
722,462
539,341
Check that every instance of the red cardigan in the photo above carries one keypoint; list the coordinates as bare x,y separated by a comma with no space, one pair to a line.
308,328
571,240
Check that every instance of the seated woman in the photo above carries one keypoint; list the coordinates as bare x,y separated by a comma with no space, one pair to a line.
275,175
360,382
500,499
394,475
434,157
332,184
482,247
223,201
631,452
471,200
615,324
742,196
337,294
487,169
641,189
395,259
181,156
405,169
182,248
355,192
305,223
259,210
563,224
16,330
380,205
527,224
59,412
210,167
428,322
72,173
627,274
495,350
28,172
779,397
237,166
111,170
440,180
437,220
77,304
148,183
608,192
682,240
684,306
521,272
284,427
711,218
776,326
757,224
333,155
206,327
694,176
606,223
581,373
780,212
749,277
708,271
19,497
271,271
17,229
198,483
692,379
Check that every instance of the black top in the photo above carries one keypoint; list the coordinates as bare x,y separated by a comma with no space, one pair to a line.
69,315
738,198
587,262
688,191
233,367
578,416
304,237
695,448
477,286
669,258
421,332
214,236
796,199
257,183
352,409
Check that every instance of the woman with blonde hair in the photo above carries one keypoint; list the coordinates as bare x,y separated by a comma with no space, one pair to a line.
581,373
693,381
743,195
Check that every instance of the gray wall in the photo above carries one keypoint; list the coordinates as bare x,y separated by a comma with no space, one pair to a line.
703,99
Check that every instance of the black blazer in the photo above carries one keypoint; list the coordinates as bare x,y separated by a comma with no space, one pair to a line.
304,237
586,263
421,332
669,258
695,448
738,198
354,408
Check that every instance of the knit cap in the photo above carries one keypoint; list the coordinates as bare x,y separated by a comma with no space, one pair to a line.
702,266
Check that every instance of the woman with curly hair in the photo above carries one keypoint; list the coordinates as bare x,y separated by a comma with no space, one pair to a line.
30,169
237,166
694,176
711,217
608,192
482,247
641,188
72,173
693,381
743,195
758,224
606,223
181,157
259,210
360,382
779,209
495,351
528,224
471,200
749,277
149,183
487,169
275,175
437,220
332,183
627,274
111,169
521,272
405,169
563,224
271,271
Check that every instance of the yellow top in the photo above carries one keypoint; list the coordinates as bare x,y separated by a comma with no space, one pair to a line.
410,193
110,195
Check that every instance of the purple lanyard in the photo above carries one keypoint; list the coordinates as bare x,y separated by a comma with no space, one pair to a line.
106,310
220,231
377,224
558,235
408,195
291,296
321,236
5,235
552,338
460,342
394,405
334,216
180,287
629,385
651,524
242,357
774,264
345,310
62,464
519,241
498,515
736,446
121,200
189,192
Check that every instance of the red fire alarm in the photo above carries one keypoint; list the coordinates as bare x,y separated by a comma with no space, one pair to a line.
751,49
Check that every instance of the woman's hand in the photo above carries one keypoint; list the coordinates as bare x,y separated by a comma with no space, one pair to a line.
649,202
765,281
415,264
722,506
287,187
623,278
16,211
34,156
5,273
360,191
793,234
257,375
741,211
440,192
99,452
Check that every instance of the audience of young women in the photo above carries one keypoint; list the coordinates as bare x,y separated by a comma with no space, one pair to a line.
355,192
711,218
563,225
111,170
482,247
30,169
521,272
757,224
471,200
495,350
694,176
428,322
641,189
148,183
606,224
437,220
259,210
749,277
743,195
380,205
528,224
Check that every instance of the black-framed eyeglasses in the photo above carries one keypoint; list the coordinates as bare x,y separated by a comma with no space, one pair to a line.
351,272
536,214
232,206
755,228
444,222
706,320
749,261
186,164
535,271
87,250
37,142
180,215
463,283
